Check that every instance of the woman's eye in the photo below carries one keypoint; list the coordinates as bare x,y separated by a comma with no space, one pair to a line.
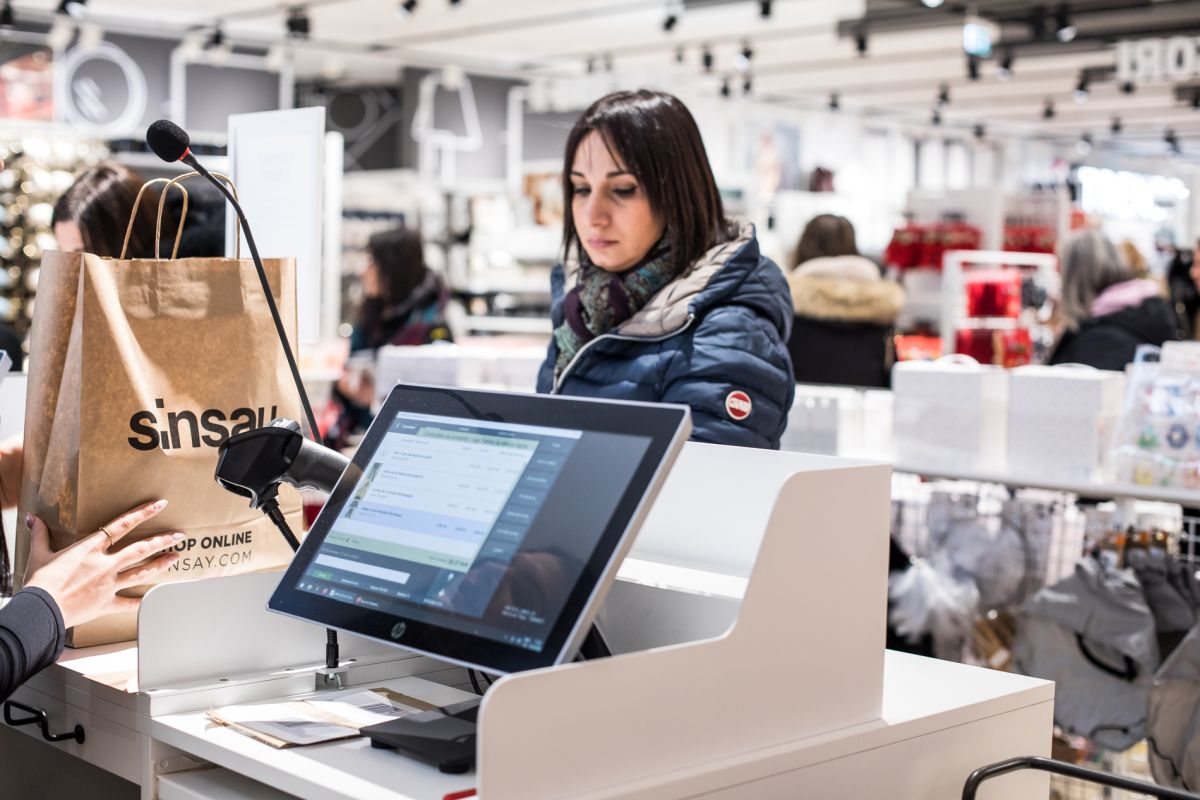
582,191
625,191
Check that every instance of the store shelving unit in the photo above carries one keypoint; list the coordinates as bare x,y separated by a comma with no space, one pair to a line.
1092,490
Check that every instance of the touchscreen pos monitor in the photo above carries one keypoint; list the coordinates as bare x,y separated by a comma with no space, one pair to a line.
483,528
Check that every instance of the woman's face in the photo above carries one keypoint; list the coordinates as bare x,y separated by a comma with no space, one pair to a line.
370,280
69,239
612,213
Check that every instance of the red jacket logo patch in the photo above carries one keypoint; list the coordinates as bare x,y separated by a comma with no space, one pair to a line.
738,405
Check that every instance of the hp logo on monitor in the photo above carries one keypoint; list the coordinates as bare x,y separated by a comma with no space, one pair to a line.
398,629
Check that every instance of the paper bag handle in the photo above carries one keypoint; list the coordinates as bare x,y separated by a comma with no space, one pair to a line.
133,216
175,182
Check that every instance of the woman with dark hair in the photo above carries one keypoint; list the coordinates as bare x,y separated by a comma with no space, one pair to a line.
404,303
659,298
91,216
845,311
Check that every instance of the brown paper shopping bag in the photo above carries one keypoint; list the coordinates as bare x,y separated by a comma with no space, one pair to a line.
139,369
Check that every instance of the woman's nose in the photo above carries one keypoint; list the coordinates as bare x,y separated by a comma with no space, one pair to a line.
595,211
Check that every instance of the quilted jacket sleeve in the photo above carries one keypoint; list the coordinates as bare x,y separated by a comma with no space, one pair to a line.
733,349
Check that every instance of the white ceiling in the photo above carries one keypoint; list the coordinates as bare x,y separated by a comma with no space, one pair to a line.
798,57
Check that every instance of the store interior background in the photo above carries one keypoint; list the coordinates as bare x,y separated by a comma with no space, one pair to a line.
452,117
880,94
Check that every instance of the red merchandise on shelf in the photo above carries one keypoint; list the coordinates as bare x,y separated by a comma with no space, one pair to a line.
916,246
1011,347
918,347
993,293
904,250
1029,239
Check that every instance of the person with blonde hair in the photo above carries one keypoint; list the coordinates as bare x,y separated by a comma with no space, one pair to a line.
1108,313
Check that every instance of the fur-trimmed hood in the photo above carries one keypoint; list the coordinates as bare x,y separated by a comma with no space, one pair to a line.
846,289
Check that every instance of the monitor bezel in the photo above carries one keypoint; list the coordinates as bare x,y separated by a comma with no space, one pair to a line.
666,426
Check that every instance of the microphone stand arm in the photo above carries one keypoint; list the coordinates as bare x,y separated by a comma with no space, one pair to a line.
311,418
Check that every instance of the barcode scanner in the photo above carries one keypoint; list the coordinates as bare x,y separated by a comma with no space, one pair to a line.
254,463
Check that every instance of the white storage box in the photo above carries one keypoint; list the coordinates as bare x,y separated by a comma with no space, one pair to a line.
1060,420
840,420
950,414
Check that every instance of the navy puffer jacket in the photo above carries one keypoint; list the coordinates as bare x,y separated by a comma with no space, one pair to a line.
714,339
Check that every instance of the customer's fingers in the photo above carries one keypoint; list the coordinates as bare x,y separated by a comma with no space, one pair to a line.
122,525
39,538
146,572
140,551
120,605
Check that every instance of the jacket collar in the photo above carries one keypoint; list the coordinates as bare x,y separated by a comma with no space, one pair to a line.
714,276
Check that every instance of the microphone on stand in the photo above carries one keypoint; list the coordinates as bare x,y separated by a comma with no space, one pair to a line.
171,143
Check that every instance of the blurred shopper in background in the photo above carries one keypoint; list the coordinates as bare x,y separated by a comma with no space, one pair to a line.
845,311
92,216
1107,312
404,303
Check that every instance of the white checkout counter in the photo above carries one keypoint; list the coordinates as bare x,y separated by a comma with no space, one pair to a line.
749,622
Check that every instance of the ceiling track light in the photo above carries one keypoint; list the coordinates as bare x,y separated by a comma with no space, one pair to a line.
1172,141
725,90
298,24
679,54
1128,87
973,67
590,65
744,58
1196,101
670,22
455,5
608,62
935,117
835,102
706,59
1006,65
860,43
74,8
943,96
7,17
1082,89
1084,145
1048,111
1064,31
980,132
406,8
216,39
1115,126
1037,23
764,9
747,85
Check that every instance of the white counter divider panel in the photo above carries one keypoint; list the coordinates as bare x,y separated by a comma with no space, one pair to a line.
217,631
810,532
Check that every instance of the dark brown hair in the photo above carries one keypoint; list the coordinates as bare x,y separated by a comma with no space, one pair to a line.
654,136
399,255
825,235
100,203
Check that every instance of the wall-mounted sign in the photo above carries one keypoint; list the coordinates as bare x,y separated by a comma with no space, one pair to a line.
1156,60
101,87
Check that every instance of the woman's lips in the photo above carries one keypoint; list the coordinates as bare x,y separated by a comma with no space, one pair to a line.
600,244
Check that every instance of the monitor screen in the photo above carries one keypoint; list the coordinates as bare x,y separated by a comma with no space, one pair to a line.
478,535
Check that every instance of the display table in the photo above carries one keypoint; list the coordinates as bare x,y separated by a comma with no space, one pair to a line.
748,622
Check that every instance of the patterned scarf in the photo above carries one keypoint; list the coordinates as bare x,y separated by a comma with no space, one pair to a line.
603,300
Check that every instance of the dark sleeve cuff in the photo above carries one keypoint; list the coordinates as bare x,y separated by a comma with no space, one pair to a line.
34,618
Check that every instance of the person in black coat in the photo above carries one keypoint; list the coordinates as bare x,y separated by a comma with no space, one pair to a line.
1108,313
845,311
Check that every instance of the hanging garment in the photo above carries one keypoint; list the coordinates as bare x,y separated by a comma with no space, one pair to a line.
1173,721
1092,633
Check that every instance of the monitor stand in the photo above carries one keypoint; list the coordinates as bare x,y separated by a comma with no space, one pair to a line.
445,737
